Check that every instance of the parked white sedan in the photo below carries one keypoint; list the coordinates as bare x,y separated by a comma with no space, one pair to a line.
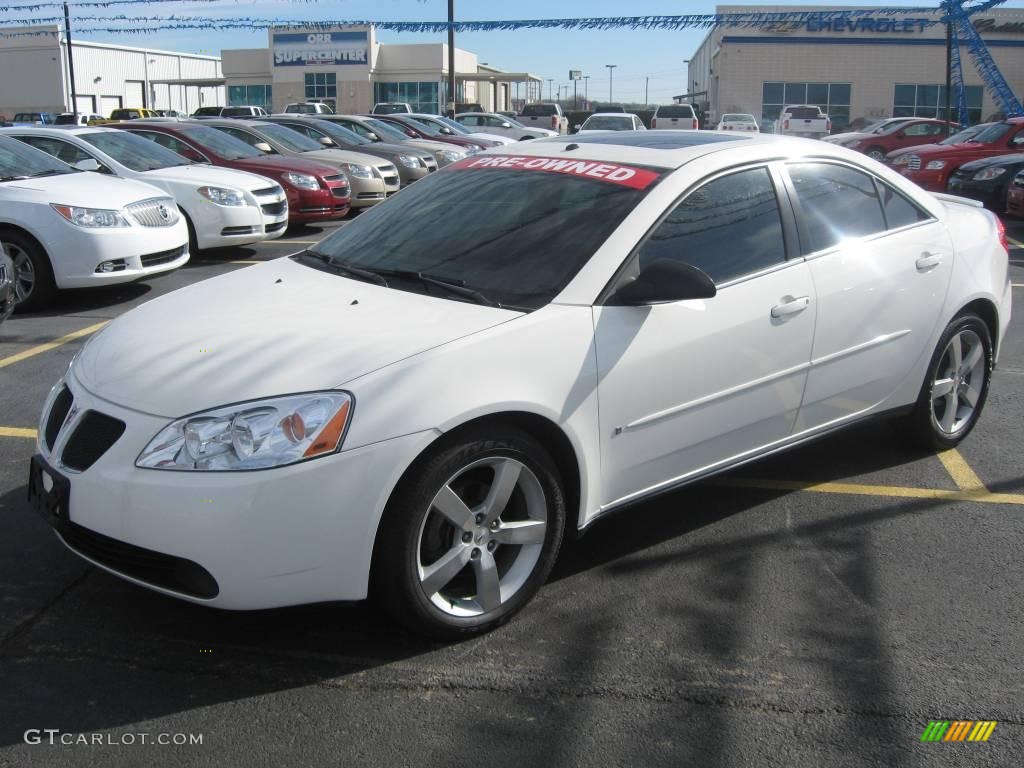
63,228
737,122
432,404
492,122
222,207
611,121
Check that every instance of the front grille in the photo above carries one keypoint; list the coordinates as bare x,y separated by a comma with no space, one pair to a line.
93,436
914,163
340,191
266,191
430,162
156,568
275,227
370,196
274,209
59,412
158,212
163,257
332,179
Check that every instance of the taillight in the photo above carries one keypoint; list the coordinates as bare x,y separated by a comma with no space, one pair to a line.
695,123
654,122
785,125
1001,229
554,122
828,126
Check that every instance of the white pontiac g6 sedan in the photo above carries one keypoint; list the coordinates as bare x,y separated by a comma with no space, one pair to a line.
422,409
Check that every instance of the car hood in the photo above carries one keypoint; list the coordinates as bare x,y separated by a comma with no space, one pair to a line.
336,157
837,138
940,150
501,140
83,189
267,330
201,173
384,149
987,162
279,164
434,146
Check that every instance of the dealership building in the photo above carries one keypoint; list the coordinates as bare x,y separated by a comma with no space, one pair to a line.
872,66
36,76
349,70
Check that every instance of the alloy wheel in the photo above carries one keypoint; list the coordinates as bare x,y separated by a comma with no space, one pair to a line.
958,382
24,273
481,537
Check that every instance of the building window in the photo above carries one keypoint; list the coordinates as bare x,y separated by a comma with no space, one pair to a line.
930,101
321,86
422,97
249,96
833,98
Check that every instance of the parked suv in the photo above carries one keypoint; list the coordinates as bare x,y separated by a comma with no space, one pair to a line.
316,191
64,228
391,108
308,108
680,117
34,118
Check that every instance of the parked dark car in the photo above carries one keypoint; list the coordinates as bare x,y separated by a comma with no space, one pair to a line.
986,180
316,191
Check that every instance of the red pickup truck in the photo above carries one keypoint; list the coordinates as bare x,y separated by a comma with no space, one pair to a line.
931,166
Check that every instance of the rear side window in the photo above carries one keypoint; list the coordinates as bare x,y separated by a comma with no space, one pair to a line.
680,110
838,203
728,228
899,211
539,110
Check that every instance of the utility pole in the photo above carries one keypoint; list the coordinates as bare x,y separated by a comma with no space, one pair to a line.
647,82
611,69
586,89
71,62
550,81
949,69
451,58
575,103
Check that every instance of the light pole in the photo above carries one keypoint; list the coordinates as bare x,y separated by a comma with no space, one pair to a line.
550,81
586,89
611,68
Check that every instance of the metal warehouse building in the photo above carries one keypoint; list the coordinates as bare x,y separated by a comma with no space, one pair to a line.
860,67
107,76
349,70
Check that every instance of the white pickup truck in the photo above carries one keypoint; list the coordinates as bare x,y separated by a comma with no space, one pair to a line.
547,116
804,120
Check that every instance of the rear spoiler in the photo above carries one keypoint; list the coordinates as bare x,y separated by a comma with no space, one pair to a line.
955,199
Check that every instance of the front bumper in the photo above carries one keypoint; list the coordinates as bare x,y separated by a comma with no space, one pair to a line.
76,252
983,191
291,535
319,205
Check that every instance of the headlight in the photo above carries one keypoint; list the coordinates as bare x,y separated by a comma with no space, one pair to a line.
451,156
989,173
222,195
935,165
91,217
301,180
474,147
359,171
254,435
409,161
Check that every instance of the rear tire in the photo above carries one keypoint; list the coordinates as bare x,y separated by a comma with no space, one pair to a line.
955,387
34,285
470,534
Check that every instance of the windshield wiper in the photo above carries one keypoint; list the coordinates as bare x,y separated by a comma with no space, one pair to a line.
53,172
323,261
13,178
458,287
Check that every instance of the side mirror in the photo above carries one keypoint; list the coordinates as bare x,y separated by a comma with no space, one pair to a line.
664,281
577,127
327,141
373,136
1017,141
87,165
447,131
506,125
263,147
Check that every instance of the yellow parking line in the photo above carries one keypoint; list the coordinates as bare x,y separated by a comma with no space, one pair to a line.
964,477
890,491
17,432
32,352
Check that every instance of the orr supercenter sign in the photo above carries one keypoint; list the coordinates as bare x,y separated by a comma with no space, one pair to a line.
301,49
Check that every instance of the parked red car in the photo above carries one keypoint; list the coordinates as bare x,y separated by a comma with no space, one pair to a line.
316,192
923,130
931,166
415,130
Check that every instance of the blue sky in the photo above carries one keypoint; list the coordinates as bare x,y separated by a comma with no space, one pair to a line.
548,54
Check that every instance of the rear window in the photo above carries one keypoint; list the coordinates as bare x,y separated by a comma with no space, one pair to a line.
27,117
235,111
208,111
534,226
804,113
539,110
391,109
65,120
680,110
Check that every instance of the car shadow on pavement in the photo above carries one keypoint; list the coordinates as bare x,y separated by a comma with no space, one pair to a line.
101,653
71,302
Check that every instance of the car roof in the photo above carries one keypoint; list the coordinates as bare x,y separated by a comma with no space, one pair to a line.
62,130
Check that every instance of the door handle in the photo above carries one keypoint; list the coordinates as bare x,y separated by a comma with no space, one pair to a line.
928,261
791,307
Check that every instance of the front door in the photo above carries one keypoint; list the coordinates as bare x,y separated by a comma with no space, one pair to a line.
689,385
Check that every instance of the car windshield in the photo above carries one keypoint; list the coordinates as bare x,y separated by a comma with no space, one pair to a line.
339,131
608,123
965,135
288,138
533,230
422,127
457,127
133,151
385,131
992,134
20,161
220,143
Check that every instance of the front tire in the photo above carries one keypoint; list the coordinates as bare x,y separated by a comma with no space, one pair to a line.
470,535
956,385
34,286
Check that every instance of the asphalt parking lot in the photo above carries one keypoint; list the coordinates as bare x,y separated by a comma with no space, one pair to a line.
817,608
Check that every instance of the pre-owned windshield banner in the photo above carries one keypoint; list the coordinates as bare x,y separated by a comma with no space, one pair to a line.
624,175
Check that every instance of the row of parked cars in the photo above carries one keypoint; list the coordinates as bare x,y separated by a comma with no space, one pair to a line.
84,206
